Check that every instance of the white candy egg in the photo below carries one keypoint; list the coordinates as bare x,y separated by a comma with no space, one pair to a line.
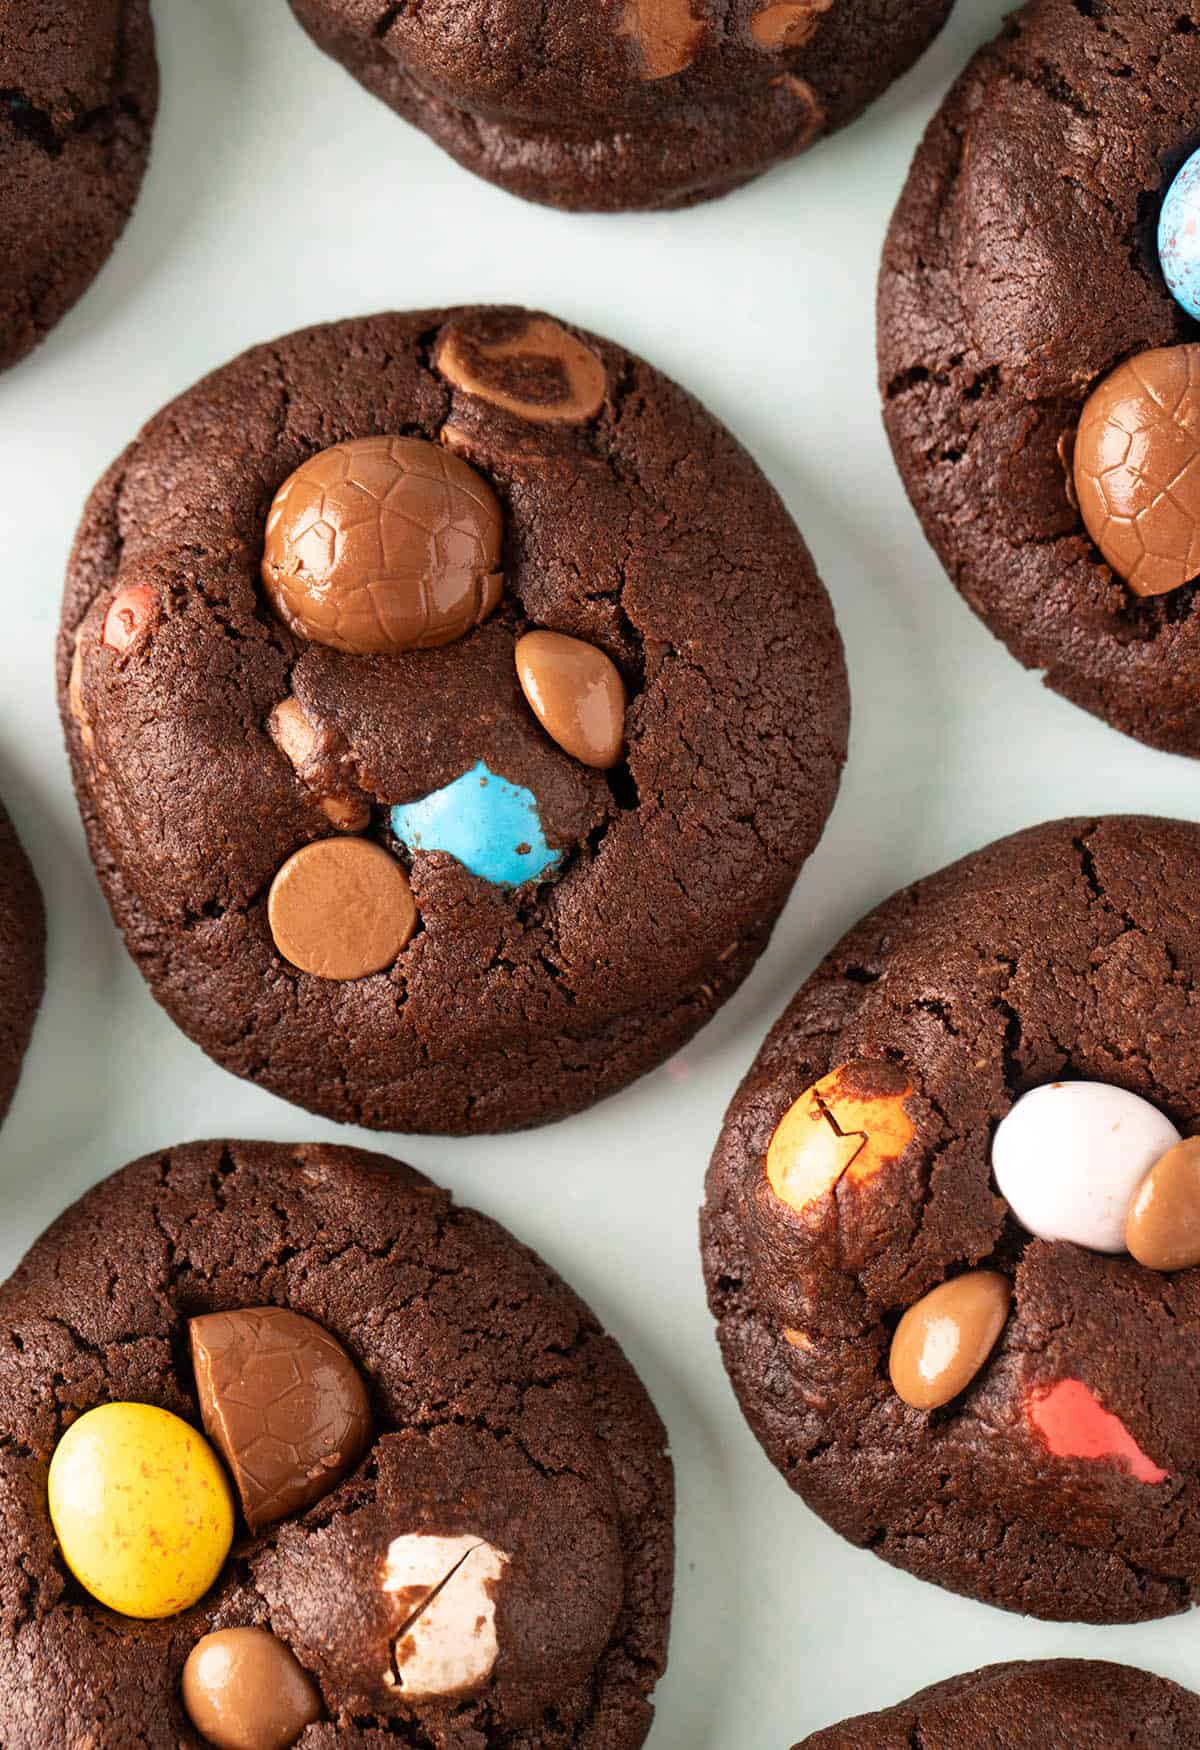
1070,1156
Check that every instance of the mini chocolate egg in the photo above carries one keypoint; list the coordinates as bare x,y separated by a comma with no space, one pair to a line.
490,826
1070,1155
1162,1230
853,1122
141,1508
576,693
1179,237
1073,1423
244,1690
944,1339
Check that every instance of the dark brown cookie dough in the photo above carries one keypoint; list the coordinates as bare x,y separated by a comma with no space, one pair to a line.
78,93
22,957
500,1411
636,103
1020,269
632,521
1068,952
1052,1704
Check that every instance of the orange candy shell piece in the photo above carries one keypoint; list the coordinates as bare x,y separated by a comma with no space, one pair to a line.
850,1124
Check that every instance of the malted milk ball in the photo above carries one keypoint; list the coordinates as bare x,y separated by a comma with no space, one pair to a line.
1069,1157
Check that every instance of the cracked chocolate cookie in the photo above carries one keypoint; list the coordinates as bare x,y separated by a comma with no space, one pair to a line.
452,705
932,1238
1051,1704
22,957
383,1478
1041,381
78,93
632,103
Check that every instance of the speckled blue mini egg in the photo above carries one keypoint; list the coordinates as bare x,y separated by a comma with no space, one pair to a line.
491,826
1179,237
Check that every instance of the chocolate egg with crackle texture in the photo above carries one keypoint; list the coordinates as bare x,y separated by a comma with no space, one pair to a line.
1162,1229
576,693
244,1690
283,1402
1137,469
942,1342
383,544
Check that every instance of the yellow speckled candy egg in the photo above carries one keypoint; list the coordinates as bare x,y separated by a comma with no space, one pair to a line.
141,1507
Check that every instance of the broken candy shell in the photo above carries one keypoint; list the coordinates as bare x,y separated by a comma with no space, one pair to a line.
852,1122
1073,1423
446,1588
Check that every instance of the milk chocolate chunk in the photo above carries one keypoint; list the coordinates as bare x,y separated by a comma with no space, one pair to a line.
576,693
284,1404
383,544
528,365
1137,469
787,24
244,1690
667,33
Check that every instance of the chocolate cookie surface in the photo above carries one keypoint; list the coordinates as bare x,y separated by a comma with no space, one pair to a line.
552,731
22,957
78,94
1044,173
1052,1704
511,1456
637,103
1050,1470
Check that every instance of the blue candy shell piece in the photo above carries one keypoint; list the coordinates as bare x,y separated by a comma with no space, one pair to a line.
492,827
1179,237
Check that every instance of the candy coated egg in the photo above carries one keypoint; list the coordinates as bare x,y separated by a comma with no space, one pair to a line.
1179,237
1069,1157
141,1508
492,827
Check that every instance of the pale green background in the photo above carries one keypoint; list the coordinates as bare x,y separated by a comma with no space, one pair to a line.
281,194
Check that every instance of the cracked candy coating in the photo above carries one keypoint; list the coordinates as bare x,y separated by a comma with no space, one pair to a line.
1043,172
638,103
1068,951
500,1412
648,533
22,957
78,94
1086,1704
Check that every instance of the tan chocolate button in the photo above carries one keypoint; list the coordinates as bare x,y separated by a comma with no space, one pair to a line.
244,1690
1137,468
541,373
1163,1227
341,908
788,24
941,1343
576,693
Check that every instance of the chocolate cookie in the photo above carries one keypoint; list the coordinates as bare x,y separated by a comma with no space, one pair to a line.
918,1215
452,705
636,103
1071,1704
448,1496
78,93
1023,269
22,957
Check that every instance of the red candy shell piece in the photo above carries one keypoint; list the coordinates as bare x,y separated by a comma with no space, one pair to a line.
1074,1424
130,612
